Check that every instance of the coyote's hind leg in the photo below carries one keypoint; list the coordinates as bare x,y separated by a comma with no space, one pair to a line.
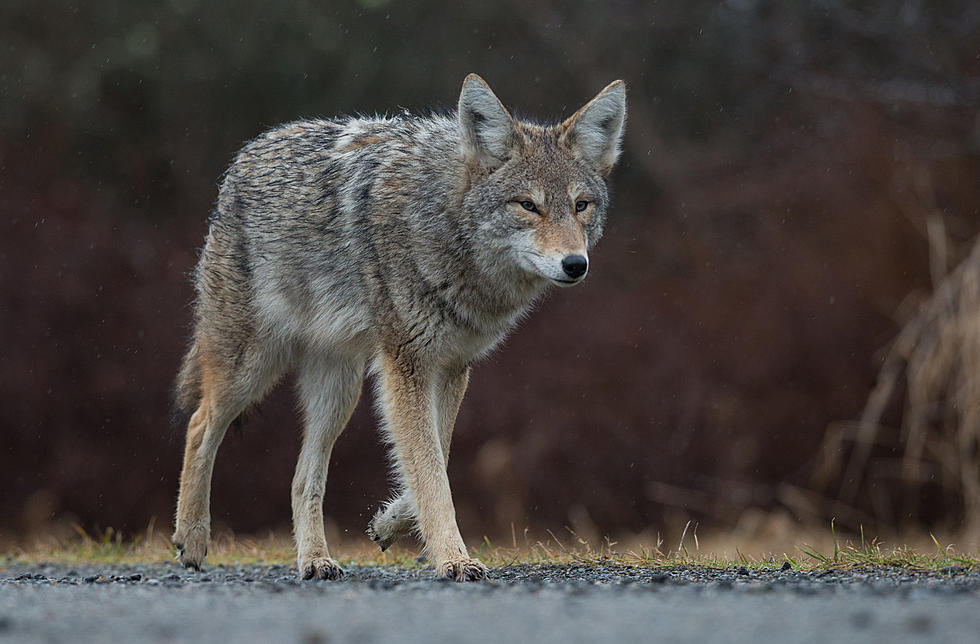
205,432
227,387
329,388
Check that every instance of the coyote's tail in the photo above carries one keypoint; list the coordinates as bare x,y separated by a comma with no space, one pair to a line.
187,389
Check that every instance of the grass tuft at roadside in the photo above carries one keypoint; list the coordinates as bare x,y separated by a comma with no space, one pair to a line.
112,547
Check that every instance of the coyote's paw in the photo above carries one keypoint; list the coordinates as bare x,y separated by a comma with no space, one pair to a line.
192,546
385,530
320,568
461,570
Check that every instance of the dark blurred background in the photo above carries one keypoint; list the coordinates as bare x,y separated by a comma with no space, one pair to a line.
784,165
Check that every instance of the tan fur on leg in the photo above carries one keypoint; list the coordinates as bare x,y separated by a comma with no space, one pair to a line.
225,392
397,518
205,432
407,398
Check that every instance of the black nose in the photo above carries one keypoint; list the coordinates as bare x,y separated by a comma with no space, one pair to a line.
574,266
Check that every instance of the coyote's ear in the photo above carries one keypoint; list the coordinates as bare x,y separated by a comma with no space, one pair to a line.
595,131
485,125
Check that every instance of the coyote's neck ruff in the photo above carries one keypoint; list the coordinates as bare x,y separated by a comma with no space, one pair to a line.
407,246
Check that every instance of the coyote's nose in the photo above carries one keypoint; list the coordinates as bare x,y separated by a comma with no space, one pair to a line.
574,266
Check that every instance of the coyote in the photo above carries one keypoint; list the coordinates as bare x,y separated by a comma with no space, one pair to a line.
405,247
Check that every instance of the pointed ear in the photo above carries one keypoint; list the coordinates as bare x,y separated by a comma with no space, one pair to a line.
486,127
594,132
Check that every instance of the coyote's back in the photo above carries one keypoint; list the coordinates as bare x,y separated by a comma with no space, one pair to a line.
407,246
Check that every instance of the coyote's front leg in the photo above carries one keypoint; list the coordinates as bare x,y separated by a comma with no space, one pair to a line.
397,518
407,390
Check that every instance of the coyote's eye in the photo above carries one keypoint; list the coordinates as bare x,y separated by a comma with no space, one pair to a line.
529,206
581,205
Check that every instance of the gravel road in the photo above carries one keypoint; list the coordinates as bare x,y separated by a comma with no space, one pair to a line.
527,603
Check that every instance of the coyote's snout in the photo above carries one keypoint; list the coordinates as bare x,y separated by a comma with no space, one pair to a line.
557,249
405,247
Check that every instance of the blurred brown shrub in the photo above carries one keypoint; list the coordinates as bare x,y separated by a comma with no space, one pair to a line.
898,474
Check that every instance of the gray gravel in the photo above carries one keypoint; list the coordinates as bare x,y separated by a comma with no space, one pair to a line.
588,603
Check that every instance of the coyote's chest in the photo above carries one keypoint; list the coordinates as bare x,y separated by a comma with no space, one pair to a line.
475,333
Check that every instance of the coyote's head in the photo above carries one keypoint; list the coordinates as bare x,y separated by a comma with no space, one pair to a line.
538,193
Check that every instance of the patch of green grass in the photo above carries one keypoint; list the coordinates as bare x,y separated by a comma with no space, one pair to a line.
845,555
111,547
871,554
